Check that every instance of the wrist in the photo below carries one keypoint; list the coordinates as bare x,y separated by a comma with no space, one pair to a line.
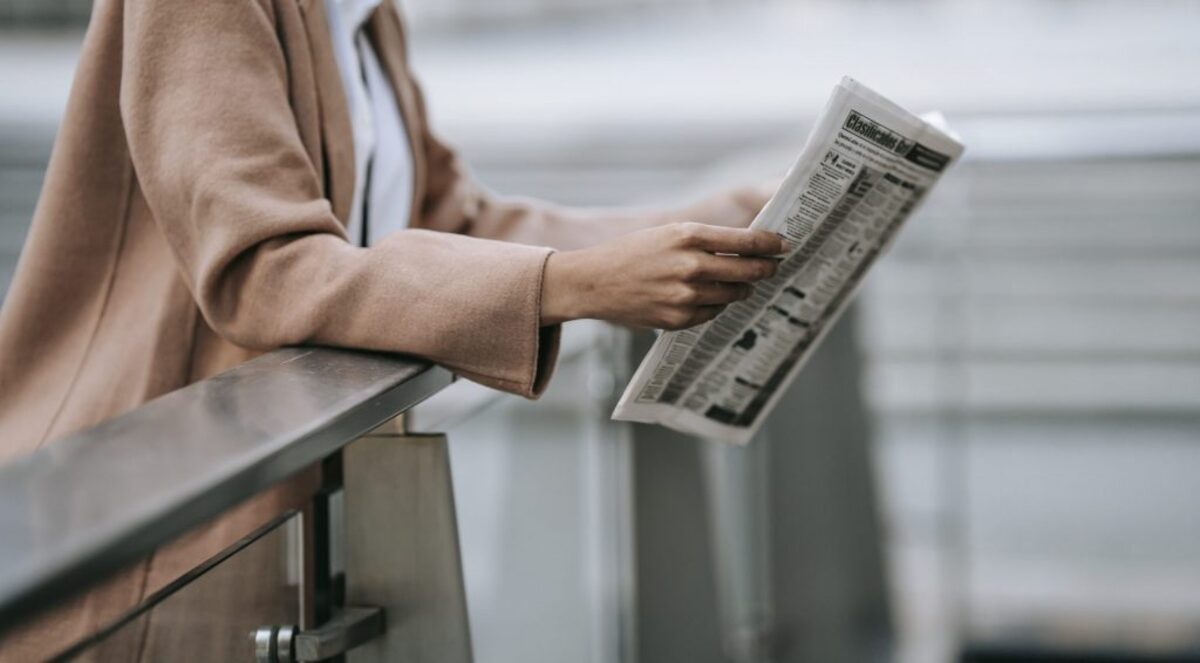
561,300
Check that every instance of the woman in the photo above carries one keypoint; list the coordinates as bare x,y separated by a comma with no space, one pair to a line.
233,176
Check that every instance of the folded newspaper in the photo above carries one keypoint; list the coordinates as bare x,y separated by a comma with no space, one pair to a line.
866,166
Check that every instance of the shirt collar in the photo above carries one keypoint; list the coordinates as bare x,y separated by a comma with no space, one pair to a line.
354,13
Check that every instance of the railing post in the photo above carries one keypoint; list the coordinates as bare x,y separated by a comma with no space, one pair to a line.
402,549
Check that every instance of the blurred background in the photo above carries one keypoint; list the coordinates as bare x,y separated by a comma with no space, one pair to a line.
996,458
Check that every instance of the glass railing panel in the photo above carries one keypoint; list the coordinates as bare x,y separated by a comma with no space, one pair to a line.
540,490
211,613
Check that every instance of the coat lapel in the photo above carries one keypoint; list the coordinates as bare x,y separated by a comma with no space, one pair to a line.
337,137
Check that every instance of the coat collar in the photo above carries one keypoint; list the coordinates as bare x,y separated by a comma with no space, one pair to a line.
337,134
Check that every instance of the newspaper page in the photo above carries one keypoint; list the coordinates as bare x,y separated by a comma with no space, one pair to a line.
866,166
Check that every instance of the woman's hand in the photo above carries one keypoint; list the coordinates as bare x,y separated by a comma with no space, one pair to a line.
668,277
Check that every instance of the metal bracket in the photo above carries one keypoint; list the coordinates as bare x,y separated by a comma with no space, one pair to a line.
349,628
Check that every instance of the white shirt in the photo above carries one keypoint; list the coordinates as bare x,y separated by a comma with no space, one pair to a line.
383,168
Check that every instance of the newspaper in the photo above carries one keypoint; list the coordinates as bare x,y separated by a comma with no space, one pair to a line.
866,166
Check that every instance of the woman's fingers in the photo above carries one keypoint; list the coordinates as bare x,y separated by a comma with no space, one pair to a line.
734,241
703,314
682,317
714,294
732,269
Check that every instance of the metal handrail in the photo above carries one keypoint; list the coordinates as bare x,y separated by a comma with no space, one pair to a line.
84,507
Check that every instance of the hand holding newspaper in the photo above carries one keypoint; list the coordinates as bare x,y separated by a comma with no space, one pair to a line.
866,166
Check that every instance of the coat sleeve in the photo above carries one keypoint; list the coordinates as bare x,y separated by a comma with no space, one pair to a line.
454,200
219,159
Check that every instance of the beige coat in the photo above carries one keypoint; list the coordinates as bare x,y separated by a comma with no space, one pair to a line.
193,216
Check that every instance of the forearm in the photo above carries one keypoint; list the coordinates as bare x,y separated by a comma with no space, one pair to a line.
567,228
